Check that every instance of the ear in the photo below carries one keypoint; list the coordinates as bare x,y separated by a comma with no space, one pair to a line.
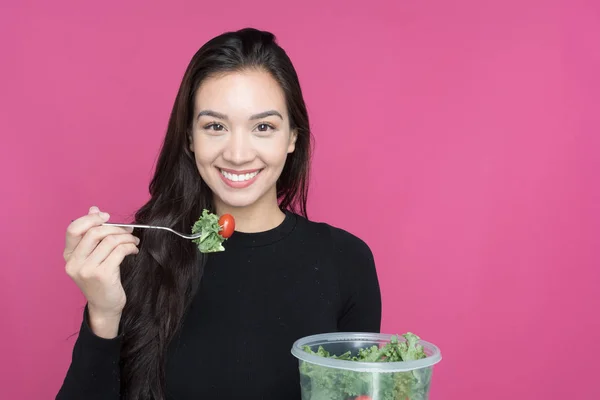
292,143
190,141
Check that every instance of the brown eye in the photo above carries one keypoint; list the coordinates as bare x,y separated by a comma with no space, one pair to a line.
215,127
264,127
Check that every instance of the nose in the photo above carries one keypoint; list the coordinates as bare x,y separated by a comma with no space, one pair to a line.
238,150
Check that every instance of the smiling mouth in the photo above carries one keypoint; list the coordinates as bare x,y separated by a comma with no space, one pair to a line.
239,177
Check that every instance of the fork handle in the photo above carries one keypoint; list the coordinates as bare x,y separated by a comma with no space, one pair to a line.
132,225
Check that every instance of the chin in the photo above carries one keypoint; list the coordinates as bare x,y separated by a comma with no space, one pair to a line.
237,201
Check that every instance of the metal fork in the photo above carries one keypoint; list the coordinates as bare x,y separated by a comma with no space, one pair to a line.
192,236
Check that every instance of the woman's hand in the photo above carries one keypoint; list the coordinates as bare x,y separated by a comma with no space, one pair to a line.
94,254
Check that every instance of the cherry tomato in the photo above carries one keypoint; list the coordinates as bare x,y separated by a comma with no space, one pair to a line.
227,224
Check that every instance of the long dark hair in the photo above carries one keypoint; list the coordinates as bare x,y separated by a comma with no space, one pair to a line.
161,280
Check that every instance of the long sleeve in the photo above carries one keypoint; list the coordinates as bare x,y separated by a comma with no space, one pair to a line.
94,373
359,284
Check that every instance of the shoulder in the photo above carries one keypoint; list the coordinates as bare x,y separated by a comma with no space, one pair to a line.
345,245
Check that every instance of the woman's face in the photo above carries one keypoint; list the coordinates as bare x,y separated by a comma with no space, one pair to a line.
241,136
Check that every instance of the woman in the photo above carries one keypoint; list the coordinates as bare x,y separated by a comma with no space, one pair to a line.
164,321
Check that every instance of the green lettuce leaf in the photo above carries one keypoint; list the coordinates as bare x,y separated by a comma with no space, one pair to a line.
210,241
411,350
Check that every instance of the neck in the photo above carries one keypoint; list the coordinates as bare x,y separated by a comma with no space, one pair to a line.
261,216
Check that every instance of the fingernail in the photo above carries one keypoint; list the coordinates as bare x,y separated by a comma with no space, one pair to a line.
94,209
137,240
104,216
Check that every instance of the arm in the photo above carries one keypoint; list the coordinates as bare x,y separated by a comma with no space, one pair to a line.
94,372
359,285
93,255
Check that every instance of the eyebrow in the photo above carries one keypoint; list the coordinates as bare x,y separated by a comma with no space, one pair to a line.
214,114
211,113
266,114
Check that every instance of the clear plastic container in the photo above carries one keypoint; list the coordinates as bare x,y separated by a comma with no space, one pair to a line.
332,379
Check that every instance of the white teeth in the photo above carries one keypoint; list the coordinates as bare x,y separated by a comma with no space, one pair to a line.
239,178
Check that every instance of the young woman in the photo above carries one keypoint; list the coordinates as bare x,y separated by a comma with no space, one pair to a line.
164,321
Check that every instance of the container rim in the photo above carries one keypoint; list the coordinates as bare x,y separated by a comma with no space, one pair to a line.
398,366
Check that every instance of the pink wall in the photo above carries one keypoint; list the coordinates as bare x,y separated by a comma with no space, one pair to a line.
479,119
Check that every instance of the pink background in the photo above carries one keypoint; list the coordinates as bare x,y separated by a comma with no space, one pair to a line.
458,138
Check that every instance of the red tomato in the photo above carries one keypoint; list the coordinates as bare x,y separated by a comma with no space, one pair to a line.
227,224
363,397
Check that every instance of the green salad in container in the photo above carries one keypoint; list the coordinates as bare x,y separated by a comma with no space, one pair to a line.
358,366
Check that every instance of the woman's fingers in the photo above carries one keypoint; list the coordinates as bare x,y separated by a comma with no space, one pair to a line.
115,258
92,238
108,245
78,228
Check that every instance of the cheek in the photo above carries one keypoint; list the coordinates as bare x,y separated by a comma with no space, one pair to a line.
204,166
204,152
273,150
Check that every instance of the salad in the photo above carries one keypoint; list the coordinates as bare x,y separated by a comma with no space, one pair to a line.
214,231
326,383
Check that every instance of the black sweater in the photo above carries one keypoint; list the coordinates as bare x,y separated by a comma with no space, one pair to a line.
255,299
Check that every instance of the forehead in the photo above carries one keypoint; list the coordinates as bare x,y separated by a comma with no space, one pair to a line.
240,93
